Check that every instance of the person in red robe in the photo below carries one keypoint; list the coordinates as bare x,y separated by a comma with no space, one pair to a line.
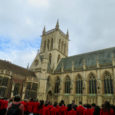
92,108
54,110
87,110
70,110
80,109
30,105
25,107
107,110
35,107
40,108
96,110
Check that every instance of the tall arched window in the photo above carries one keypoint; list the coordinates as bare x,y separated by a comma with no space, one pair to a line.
48,43
108,83
48,82
59,44
57,84
51,43
50,57
79,85
64,48
44,45
67,84
92,84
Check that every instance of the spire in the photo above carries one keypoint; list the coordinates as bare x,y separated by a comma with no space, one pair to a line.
44,31
67,34
57,24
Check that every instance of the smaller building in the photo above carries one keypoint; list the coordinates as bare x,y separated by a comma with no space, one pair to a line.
17,80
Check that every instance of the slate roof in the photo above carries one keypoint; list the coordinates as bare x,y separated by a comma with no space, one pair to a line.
15,69
104,58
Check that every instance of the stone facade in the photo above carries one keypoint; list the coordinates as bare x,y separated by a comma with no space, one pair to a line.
53,75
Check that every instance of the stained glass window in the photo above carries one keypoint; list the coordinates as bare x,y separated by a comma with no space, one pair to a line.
67,85
57,84
92,84
79,85
108,84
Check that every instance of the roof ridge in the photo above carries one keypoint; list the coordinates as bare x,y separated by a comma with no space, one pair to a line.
90,52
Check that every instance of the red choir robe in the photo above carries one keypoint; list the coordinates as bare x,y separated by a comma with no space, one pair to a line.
92,110
5,104
1,104
80,109
30,106
54,111
35,107
111,112
40,110
25,105
72,112
87,111
45,111
63,110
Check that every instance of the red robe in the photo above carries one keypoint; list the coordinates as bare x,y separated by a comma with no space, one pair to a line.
54,111
35,107
30,106
46,111
111,112
25,105
63,110
87,112
92,110
80,109
72,112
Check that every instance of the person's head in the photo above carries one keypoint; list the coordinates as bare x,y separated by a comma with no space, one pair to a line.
80,102
17,98
73,101
31,99
93,105
106,106
55,104
69,107
96,110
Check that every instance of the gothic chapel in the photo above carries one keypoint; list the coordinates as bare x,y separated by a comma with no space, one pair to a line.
55,76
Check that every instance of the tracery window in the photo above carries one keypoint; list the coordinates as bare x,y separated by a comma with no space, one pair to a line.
108,83
44,45
57,84
16,89
31,90
48,44
3,85
67,84
50,57
59,44
92,84
51,43
64,48
79,85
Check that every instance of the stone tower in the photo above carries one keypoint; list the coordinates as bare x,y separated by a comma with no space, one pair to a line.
54,46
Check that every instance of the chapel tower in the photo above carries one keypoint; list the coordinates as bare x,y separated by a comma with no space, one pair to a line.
54,45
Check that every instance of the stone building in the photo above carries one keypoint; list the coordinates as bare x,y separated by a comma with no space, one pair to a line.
54,75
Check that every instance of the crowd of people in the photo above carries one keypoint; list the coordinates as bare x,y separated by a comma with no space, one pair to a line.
17,107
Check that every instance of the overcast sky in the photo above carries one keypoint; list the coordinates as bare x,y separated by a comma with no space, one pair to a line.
91,25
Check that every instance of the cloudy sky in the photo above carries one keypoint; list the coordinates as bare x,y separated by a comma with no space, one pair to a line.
91,25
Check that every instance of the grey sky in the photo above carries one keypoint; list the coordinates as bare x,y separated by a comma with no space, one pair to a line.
91,25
